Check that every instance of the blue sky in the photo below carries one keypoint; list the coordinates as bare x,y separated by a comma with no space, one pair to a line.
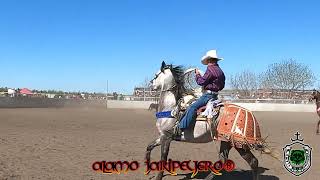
77,45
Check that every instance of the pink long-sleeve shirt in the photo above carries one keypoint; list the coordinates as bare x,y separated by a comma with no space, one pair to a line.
213,79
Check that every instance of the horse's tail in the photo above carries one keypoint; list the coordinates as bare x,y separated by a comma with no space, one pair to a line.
265,148
272,152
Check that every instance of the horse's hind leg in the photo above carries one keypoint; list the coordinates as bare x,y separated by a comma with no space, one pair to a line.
318,124
223,155
165,145
252,161
224,151
151,146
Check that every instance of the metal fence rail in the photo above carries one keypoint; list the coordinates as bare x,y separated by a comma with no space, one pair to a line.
276,101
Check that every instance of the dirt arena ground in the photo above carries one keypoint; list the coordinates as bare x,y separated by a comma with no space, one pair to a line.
63,144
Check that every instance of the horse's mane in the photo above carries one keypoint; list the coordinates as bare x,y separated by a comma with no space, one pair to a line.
316,94
178,75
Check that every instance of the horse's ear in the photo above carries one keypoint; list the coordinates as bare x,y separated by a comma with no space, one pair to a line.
163,65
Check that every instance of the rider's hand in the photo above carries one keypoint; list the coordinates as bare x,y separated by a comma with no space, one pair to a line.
197,71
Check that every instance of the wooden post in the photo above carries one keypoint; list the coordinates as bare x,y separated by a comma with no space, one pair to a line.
107,95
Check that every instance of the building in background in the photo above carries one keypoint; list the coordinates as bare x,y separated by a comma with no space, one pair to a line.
11,92
145,94
25,92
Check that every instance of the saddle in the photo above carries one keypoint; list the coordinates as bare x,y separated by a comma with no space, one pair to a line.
210,110
204,113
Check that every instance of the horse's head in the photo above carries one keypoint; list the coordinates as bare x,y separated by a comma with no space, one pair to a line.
170,78
165,78
315,95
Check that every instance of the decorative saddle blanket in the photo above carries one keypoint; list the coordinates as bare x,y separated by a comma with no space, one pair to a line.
238,125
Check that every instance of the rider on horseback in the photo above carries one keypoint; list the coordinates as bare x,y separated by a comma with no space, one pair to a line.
212,82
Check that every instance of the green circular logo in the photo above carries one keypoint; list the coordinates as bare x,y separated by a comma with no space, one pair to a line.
297,157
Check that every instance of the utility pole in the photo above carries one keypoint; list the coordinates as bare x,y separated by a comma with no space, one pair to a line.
107,95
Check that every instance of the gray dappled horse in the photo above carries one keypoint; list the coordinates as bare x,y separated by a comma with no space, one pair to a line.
170,80
316,95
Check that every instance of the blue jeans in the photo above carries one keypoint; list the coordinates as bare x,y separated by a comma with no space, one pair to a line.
192,110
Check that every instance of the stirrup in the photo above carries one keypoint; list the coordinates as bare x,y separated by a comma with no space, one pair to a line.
177,134
177,131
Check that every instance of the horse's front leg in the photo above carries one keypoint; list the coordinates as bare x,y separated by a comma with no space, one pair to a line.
165,145
150,147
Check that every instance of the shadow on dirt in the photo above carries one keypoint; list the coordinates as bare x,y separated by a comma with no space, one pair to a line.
236,174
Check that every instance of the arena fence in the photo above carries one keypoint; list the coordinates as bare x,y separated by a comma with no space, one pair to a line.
126,102
275,101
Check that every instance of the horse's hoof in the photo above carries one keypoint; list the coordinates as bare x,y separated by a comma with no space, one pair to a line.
209,177
152,177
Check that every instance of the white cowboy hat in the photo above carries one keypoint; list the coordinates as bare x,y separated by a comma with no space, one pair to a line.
210,54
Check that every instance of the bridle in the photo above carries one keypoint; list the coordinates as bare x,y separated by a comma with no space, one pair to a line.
172,88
